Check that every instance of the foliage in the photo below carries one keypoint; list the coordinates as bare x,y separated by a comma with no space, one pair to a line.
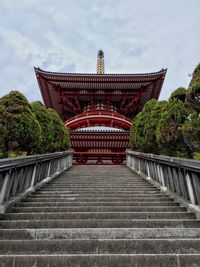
44,119
143,130
191,131
29,127
168,134
179,94
193,97
3,129
171,128
60,140
195,75
193,93
196,156
20,126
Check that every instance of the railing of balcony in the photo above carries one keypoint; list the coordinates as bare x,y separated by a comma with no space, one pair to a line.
21,175
180,176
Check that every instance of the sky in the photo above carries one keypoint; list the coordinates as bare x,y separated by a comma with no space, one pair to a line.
64,36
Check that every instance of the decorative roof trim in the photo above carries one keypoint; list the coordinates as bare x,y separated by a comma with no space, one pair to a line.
99,75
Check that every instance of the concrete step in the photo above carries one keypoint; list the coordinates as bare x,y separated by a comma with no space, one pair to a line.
112,187
97,193
100,223
97,189
95,199
99,246
97,184
98,203
100,209
100,191
63,195
100,233
97,215
104,260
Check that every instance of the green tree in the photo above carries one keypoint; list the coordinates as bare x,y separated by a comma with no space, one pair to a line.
44,119
191,133
3,131
21,128
143,131
179,93
193,92
195,75
168,133
60,140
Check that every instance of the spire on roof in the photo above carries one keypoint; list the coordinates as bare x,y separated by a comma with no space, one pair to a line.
100,62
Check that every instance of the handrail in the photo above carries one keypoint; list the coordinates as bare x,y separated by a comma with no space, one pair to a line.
181,176
172,161
21,175
28,160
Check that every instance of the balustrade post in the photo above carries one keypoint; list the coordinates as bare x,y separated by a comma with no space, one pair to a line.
33,175
49,169
4,187
58,166
190,190
148,178
139,166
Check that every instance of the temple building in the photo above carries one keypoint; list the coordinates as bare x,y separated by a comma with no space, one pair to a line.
87,99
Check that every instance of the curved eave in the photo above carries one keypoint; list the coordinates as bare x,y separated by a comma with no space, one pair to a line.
67,74
52,85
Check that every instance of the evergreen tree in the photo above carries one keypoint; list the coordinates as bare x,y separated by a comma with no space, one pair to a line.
168,134
143,131
193,93
179,93
20,126
44,119
60,140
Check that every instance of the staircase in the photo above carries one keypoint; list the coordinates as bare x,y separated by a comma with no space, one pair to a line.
99,216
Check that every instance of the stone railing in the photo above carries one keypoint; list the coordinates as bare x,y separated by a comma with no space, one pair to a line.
180,176
21,176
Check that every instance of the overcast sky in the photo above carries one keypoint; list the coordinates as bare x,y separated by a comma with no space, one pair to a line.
65,35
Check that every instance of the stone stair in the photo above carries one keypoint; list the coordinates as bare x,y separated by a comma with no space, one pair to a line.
99,216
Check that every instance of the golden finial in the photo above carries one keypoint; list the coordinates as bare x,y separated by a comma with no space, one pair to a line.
100,62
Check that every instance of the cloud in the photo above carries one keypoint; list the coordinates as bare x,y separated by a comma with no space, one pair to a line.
136,36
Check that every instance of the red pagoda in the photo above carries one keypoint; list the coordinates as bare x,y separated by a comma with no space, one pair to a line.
87,100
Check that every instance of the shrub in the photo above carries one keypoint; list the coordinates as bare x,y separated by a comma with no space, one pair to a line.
60,139
143,131
179,94
168,134
44,119
191,132
21,130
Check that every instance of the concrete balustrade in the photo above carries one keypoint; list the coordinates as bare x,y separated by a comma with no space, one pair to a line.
180,176
20,176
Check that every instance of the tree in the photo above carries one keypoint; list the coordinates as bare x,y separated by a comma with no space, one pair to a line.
3,130
168,134
44,119
191,133
21,128
193,97
179,94
195,75
170,128
60,140
193,92
143,131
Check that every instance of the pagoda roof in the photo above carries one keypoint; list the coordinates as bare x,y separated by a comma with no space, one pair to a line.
94,75
58,88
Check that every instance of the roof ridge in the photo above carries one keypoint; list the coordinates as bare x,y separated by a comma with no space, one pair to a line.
37,69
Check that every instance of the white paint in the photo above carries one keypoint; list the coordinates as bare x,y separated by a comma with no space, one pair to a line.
190,190
33,176
4,187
